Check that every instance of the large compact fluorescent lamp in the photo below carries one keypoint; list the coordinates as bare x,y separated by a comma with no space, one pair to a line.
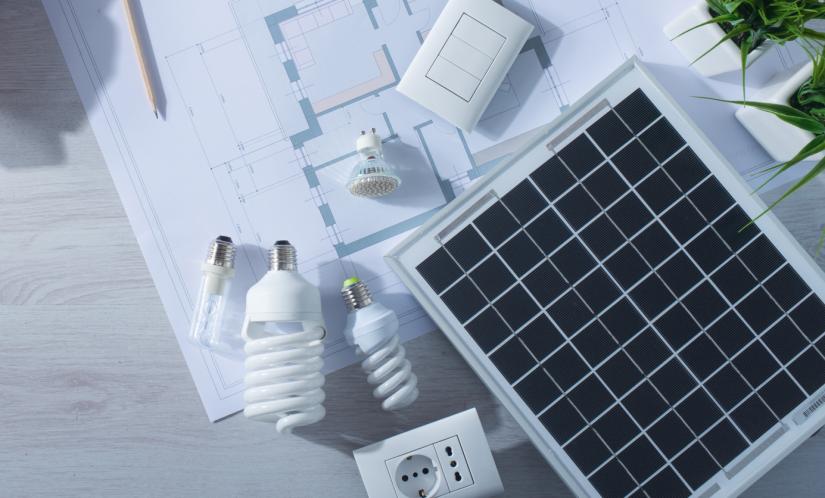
284,331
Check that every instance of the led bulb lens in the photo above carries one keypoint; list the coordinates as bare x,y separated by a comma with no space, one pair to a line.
373,176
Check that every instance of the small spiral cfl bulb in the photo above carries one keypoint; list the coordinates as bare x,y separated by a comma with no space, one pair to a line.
373,176
373,329
218,269
284,331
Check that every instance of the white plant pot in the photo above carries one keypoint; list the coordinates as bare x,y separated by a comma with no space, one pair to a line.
725,58
782,140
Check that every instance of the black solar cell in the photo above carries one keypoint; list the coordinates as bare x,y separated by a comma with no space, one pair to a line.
595,343
609,133
521,253
666,483
545,283
724,442
537,390
654,244
496,224
645,404
613,480
548,231
587,451
553,178
696,465
512,359
467,247
541,337
524,201
673,381
563,421
641,459
616,428
581,156
439,270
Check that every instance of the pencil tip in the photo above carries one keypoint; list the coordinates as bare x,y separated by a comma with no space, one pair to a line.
156,114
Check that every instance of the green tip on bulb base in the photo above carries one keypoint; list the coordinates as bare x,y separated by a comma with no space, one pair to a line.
351,281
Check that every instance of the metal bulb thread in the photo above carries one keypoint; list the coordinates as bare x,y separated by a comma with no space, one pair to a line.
283,257
221,252
356,295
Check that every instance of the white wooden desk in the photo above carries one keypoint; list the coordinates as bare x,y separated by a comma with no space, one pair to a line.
95,398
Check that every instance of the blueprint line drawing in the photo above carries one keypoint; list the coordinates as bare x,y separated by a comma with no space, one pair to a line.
265,99
296,51
288,124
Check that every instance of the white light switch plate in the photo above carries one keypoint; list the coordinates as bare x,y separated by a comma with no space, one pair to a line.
464,59
449,457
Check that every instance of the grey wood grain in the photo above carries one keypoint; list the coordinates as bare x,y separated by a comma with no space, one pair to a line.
96,397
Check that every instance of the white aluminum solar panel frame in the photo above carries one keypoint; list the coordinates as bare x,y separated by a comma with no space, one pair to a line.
761,456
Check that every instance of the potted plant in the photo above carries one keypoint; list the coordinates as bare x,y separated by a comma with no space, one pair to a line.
720,36
790,123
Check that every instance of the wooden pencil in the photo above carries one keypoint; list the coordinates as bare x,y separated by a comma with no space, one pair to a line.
147,81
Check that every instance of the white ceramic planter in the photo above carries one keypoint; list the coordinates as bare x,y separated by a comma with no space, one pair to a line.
723,59
782,140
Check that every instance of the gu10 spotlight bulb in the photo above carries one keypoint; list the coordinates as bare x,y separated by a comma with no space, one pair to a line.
284,331
373,329
218,270
373,176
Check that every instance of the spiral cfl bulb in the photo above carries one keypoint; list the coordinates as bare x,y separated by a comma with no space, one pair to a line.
217,270
372,329
284,331
373,176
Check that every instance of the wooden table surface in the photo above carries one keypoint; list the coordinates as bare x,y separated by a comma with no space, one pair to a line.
95,398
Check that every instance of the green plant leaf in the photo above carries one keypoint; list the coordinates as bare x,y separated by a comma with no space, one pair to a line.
810,175
745,49
813,147
813,34
715,20
784,112
736,31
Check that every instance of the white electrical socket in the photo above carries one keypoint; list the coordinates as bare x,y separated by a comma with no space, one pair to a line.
452,459
449,457
417,474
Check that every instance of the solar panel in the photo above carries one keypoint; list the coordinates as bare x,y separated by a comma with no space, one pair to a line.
603,286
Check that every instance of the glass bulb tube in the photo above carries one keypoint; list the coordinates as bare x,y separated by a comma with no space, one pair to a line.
206,329
208,317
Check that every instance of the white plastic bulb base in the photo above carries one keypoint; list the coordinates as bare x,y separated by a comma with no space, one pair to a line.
284,331
372,329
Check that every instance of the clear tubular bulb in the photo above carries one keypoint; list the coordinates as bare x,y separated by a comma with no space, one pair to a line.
218,270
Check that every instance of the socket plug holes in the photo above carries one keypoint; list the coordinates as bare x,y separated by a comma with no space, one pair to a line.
453,461
417,476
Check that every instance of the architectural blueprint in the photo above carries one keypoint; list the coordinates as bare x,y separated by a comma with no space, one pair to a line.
262,101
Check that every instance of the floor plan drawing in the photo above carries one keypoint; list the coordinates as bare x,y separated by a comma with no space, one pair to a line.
324,70
265,99
278,102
